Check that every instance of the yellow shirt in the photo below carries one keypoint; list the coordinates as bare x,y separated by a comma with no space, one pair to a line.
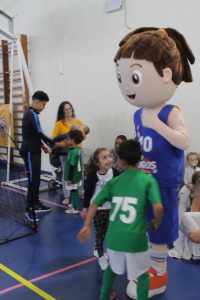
63,127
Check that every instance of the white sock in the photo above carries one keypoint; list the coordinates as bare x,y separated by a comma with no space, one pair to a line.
159,259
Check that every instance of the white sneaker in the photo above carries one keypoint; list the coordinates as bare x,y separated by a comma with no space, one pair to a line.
71,211
95,253
103,262
66,201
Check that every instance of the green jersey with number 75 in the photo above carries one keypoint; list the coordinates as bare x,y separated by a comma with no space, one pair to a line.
130,194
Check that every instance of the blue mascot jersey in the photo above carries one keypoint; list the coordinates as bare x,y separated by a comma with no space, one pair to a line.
164,161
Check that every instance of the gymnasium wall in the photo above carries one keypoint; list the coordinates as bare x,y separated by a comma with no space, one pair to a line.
72,45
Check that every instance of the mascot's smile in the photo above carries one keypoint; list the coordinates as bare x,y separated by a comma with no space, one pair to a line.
132,97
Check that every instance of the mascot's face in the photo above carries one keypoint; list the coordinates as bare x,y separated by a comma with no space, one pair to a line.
141,85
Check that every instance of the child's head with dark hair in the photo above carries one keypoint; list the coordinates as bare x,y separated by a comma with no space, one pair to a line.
39,100
41,96
195,191
122,137
119,140
196,178
76,136
129,153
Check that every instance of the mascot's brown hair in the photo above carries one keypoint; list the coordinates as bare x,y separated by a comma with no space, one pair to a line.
164,47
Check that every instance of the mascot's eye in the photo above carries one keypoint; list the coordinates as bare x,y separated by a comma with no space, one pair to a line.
119,76
137,77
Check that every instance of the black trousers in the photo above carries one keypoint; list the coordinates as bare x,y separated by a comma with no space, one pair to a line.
33,167
101,220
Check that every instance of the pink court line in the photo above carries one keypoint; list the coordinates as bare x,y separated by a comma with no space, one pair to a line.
53,203
14,287
21,193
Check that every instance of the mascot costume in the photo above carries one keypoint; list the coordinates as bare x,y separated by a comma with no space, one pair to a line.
150,64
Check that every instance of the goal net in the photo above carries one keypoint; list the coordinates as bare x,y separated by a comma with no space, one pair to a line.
13,222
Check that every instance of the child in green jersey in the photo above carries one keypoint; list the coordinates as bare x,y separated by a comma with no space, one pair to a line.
130,194
73,168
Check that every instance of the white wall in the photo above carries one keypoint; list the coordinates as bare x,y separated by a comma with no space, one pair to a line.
86,39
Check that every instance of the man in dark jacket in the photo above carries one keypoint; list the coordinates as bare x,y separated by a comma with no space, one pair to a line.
32,143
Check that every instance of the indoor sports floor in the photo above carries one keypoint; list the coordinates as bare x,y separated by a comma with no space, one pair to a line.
52,264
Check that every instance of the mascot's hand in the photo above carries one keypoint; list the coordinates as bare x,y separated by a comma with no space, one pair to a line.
150,118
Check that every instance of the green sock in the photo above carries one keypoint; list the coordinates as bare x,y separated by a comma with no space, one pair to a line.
74,195
108,279
143,287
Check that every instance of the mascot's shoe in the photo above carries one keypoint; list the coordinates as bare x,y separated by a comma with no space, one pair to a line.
157,285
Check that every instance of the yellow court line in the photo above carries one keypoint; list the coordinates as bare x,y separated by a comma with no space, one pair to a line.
27,283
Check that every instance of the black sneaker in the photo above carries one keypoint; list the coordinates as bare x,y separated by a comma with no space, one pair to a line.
29,215
39,208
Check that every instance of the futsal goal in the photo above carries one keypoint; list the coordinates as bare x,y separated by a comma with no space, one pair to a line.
13,223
